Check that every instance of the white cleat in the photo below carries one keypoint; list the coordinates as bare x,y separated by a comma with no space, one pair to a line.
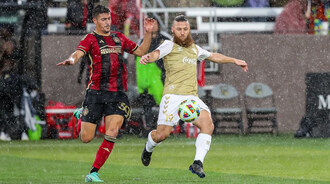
24,137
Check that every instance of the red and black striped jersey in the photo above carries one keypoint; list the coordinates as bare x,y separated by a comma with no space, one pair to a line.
106,63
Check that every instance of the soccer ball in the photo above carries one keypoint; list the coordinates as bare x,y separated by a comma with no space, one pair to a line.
188,110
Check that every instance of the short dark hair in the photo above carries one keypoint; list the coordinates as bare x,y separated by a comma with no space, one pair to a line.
99,9
180,18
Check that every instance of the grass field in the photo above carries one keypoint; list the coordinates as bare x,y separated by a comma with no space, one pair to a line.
231,159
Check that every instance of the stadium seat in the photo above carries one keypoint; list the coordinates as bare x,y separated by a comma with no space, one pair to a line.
226,109
260,106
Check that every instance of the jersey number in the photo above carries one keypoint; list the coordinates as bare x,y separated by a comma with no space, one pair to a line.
126,109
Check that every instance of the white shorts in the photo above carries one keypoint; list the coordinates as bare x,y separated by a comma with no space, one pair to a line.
169,106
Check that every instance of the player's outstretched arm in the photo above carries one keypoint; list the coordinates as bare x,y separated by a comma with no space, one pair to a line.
144,47
73,59
149,58
219,58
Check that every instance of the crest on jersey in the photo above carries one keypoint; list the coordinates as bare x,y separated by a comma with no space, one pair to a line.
116,39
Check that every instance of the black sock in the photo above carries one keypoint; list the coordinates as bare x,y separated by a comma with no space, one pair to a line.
94,170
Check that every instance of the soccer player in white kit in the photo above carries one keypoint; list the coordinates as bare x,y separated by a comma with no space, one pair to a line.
180,61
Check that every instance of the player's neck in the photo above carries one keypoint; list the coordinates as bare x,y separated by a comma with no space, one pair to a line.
101,33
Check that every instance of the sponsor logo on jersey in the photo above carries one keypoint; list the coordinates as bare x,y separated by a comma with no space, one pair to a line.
189,60
110,50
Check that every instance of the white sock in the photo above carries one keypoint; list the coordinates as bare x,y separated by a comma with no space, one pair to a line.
151,143
203,143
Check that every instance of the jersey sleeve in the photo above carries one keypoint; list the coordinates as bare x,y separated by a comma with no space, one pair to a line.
165,48
85,43
128,45
202,53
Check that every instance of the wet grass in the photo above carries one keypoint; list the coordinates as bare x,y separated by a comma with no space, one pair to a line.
231,159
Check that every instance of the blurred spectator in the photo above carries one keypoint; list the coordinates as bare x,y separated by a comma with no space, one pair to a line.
228,3
292,20
257,3
125,16
12,124
187,3
318,21
34,23
77,15
7,43
150,79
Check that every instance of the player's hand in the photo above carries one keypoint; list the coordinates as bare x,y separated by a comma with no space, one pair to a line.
68,61
149,24
242,64
145,59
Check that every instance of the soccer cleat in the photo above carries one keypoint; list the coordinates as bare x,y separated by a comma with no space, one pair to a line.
24,137
197,168
146,157
4,137
93,177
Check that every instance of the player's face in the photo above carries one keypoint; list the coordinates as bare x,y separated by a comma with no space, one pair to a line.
102,23
181,30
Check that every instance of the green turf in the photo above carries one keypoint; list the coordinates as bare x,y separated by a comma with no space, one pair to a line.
231,159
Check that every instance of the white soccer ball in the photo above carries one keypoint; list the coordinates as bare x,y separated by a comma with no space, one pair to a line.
188,110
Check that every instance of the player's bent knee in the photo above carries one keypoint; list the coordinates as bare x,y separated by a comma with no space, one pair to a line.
86,139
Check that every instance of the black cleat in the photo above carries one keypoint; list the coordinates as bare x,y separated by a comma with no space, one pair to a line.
146,157
197,168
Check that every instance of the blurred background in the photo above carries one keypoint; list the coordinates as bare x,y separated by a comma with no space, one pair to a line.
284,42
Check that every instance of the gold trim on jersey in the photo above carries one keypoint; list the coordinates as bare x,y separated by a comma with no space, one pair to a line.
91,74
135,48
81,49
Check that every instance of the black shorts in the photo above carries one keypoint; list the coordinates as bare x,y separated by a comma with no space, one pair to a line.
104,103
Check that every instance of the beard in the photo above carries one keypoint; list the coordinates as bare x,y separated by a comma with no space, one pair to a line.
185,43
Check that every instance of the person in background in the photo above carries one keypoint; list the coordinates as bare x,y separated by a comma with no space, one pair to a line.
12,111
7,43
150,80
257,3
318,20
125,16
76,17
105,93
292,20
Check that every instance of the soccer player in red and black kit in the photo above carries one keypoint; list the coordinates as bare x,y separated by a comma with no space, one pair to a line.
105,94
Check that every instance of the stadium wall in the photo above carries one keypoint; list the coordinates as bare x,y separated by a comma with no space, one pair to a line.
281,61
